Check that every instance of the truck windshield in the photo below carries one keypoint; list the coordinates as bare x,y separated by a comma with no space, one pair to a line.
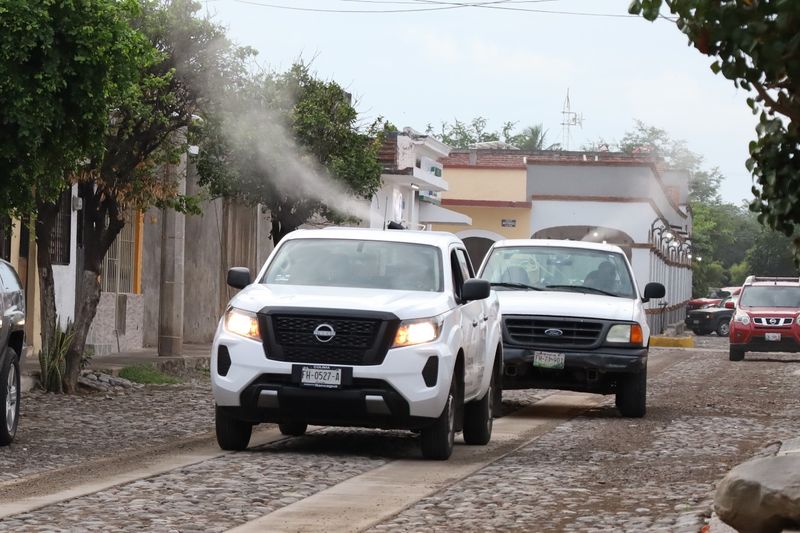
357,263
562,269
770,296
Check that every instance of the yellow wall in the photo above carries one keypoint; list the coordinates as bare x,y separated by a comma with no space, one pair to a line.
486,184
33,337
490,219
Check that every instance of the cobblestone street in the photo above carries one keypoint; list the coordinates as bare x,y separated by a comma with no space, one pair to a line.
593,472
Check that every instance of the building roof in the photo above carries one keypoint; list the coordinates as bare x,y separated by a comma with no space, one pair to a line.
498,158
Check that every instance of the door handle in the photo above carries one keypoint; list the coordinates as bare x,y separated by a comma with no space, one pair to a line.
485,318
474,323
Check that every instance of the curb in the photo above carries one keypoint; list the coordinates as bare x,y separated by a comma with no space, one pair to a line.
672,342
168,366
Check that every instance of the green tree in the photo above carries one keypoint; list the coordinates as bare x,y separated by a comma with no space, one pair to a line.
755,44
771,255
59,63
290,143
462,135
125,81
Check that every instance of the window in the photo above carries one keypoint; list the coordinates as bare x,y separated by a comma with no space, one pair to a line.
119,264
770,296
465,264
60,241
357,263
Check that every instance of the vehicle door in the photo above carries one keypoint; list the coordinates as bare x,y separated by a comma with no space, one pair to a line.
12,300
472,323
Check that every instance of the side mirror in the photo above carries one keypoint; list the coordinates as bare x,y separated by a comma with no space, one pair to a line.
475,289
239,277
730,305
653,290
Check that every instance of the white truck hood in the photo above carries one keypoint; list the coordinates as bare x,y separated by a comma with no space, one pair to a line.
405,304
567,304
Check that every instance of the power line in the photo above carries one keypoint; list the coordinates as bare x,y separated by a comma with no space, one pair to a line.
322,10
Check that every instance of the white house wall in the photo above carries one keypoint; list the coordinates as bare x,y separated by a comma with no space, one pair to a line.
629,217
64,275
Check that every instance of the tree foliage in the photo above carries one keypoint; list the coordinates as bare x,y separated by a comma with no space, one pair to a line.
755,44
460,134
291,143
61,63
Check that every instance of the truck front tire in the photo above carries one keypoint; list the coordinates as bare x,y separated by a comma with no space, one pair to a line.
632,395
232,434
437,439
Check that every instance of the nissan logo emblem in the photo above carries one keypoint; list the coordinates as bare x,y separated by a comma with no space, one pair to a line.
324,333
553,332
773,321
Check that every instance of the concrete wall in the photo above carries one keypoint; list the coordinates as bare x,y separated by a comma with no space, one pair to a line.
485,184
151,274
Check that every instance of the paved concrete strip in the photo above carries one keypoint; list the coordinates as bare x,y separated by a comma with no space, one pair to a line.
791,446
375,496
159,464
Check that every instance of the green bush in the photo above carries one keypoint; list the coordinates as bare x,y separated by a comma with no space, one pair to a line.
52,361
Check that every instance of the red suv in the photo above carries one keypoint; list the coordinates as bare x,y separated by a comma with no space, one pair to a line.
767,317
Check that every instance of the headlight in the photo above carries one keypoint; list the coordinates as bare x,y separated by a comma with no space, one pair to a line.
742,318
242,323
626,333
797,320
413,332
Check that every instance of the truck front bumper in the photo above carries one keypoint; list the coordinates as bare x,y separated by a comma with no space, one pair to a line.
586,371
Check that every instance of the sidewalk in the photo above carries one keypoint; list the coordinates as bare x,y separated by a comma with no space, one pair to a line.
195,357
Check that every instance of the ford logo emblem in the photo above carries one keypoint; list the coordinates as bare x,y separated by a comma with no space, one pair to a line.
553,332
324,333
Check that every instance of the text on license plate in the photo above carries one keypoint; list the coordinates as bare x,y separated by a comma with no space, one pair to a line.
321,376
548,359
772,336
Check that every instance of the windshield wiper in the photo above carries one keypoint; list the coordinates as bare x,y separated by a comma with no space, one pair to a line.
515,286
582,288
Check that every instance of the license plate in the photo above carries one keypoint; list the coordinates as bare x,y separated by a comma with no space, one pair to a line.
548,359
772,336
321,376
696,321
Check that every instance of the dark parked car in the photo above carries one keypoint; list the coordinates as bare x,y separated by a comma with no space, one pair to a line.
12,336
714,318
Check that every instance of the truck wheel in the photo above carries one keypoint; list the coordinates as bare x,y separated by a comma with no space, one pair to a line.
232,434
294,428
9,397
736,354
437,439
478,416
723,328
632,395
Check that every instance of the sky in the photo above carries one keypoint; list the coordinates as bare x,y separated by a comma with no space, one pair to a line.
426,67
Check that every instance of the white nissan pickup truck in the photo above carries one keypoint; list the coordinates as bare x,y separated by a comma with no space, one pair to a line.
358,327
572,318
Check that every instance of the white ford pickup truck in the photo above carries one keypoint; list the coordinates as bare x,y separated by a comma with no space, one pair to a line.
359,327
572,318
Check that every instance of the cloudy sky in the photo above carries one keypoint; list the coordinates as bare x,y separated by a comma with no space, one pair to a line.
421,67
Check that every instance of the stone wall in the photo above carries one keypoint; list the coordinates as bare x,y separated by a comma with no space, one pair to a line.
103,337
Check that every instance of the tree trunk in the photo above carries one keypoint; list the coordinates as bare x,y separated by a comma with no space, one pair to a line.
100,209
45,222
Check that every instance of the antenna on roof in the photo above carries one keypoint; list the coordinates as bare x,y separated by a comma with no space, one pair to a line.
570,119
